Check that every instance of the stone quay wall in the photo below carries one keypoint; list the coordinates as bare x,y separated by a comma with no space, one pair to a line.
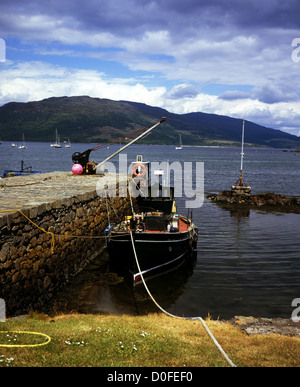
68,232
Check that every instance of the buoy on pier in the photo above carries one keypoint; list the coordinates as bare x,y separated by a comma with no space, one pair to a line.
77,169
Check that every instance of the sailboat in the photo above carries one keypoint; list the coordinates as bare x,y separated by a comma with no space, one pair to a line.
180,143
68,144
240,187
23,146
56,143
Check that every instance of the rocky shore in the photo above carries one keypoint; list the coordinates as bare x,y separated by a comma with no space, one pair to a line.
266,326
267,200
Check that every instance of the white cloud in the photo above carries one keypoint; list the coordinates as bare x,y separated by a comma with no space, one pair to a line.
30,81
185,44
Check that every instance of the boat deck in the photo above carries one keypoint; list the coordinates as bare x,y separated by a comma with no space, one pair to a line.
183,225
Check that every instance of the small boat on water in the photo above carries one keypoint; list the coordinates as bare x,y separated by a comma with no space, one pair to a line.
24,171
160,238
161,241
156,235
23,146
56,143
68,144
180,143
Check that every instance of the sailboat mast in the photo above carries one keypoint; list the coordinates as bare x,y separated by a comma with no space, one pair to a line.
240,187
242,150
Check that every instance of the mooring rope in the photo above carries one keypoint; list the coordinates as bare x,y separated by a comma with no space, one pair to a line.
40,228
146,287
180,317
53,235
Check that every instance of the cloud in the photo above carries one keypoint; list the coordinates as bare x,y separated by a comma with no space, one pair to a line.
203,41
273,93
28,81
181,46
182,91
232,95
38,80
268,93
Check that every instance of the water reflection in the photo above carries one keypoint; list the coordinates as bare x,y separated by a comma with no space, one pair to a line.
97,290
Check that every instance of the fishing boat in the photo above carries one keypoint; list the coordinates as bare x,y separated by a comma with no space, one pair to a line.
180,143
156,240
240,187
157,237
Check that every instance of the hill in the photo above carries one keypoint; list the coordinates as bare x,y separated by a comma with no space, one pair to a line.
95,120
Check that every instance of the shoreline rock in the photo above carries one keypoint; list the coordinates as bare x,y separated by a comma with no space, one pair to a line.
267,200
266,326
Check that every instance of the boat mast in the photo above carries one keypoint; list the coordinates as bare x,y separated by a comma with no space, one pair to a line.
240,187
242,154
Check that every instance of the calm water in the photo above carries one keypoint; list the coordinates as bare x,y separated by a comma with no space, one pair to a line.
248,263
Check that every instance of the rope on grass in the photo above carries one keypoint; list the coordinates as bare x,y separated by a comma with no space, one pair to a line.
26,345
184,318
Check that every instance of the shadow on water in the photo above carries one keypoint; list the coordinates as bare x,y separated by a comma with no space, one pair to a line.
97,290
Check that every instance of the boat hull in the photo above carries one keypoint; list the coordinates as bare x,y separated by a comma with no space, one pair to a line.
155,251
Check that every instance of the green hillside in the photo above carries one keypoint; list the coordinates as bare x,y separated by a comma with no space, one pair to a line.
95,120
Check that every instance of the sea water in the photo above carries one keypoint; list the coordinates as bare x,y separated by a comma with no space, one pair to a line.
248,262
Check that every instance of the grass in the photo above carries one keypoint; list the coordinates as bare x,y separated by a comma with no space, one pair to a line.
145,341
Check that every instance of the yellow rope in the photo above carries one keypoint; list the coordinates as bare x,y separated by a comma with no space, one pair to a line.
52,234
40,228
26,345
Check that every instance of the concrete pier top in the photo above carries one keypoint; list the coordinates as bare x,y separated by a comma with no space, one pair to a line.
46,189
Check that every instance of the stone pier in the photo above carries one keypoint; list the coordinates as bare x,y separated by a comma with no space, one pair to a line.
51,226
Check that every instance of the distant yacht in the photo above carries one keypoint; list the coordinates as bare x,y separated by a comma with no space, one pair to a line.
68,145
13,145
180,143
56,143
23,146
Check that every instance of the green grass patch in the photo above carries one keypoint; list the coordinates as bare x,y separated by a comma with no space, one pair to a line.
144,341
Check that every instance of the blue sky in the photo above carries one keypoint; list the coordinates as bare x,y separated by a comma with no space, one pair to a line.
229,57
